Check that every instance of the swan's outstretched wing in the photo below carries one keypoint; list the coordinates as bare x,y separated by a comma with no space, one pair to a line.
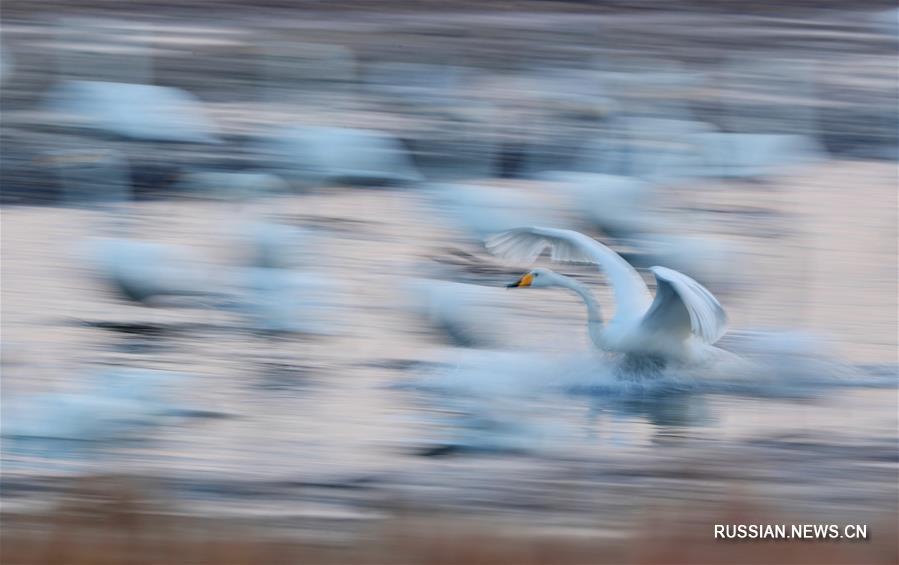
526,244
683,306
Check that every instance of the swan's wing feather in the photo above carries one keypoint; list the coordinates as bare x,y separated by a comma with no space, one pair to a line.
526,244
684,306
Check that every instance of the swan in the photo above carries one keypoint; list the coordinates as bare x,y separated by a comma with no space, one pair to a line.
680,325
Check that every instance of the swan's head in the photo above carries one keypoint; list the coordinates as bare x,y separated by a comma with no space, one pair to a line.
537,278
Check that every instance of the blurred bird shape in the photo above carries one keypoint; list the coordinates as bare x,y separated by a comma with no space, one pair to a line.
263,286
138,271
135,111
458,311
281,301
621,207
483,210
147,272
273,245
276,288
309,155
615,204
713,261
115,404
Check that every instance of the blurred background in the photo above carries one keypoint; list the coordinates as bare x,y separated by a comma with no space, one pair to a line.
248,317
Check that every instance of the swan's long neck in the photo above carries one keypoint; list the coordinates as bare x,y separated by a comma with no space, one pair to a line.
594,317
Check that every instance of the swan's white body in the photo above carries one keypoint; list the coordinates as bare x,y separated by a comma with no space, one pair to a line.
680,324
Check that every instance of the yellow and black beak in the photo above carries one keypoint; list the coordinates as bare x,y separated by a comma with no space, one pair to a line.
525,280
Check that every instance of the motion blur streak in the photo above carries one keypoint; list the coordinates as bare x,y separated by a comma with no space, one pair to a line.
249,316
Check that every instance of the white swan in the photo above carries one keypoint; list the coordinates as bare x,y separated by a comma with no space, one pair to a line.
680,324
